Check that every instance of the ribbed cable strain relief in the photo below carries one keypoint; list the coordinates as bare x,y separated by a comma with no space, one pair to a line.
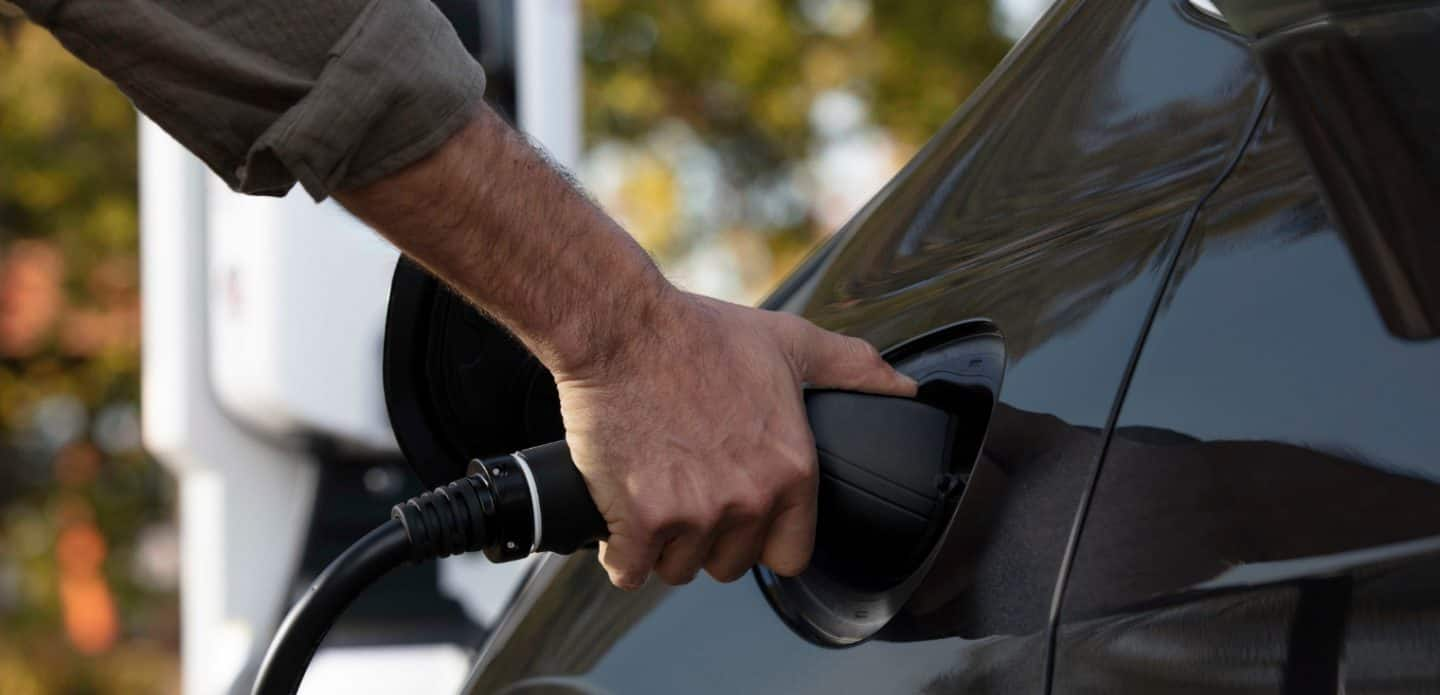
448,520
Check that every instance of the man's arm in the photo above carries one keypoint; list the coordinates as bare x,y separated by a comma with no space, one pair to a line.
489,215
684,413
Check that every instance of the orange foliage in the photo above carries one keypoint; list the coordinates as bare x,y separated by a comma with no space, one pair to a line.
88,608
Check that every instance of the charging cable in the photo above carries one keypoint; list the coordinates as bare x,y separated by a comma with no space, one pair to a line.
888,485
507,507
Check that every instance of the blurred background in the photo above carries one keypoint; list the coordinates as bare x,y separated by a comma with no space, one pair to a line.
727,135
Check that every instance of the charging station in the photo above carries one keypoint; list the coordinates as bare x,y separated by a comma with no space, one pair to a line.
264,321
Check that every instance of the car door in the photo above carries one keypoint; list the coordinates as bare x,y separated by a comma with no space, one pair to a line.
1051,208
1267,515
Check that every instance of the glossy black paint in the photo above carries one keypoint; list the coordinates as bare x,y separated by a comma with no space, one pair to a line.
1357,83
1274,418
1217,430
1054,206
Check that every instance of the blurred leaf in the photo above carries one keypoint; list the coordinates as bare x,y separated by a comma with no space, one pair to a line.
744,77
68,268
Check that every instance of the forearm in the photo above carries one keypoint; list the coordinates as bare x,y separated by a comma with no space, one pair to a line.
489,215
684,414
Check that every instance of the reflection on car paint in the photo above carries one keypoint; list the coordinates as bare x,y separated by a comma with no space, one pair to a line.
1269,387
1309,435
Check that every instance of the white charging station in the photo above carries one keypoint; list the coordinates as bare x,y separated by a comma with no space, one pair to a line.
263,325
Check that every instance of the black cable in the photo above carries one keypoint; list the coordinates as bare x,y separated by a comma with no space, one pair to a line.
509,507
370,558
536,501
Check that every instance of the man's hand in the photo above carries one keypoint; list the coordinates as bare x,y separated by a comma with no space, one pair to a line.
693,438
684,414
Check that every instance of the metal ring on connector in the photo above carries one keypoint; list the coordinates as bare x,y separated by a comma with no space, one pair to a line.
534,496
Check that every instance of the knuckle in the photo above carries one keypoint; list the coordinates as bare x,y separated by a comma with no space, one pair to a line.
809,337
746,510
650,523
793,337
684,523
863,350
791,323
706,517
799,469
746,497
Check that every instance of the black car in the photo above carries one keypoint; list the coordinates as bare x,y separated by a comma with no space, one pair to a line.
1176,272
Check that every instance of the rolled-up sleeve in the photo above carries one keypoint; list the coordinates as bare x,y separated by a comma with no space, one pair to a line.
330,93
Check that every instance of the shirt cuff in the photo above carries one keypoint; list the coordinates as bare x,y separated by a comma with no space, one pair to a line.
396,86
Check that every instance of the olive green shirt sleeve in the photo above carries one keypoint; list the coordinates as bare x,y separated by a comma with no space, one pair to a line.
330,93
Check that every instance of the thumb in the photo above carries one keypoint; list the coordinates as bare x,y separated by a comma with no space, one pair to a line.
831,360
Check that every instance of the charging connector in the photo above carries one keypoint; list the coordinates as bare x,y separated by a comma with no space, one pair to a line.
888,484
508,507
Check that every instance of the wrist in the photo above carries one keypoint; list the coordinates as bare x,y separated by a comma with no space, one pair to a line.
613,328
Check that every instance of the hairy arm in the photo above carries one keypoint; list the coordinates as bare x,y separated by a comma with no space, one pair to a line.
685,414
490,216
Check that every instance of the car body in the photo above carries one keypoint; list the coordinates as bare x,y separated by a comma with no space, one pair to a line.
1214,462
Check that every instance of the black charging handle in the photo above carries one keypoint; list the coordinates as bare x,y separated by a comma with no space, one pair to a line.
883,487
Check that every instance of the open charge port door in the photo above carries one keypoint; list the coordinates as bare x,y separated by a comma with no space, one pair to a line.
895,472
895,475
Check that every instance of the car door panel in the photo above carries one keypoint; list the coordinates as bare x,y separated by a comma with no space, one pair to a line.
1274,427
1051,205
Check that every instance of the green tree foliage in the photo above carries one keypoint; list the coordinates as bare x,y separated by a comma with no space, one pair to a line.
77,496
731,89
741,79
744,73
